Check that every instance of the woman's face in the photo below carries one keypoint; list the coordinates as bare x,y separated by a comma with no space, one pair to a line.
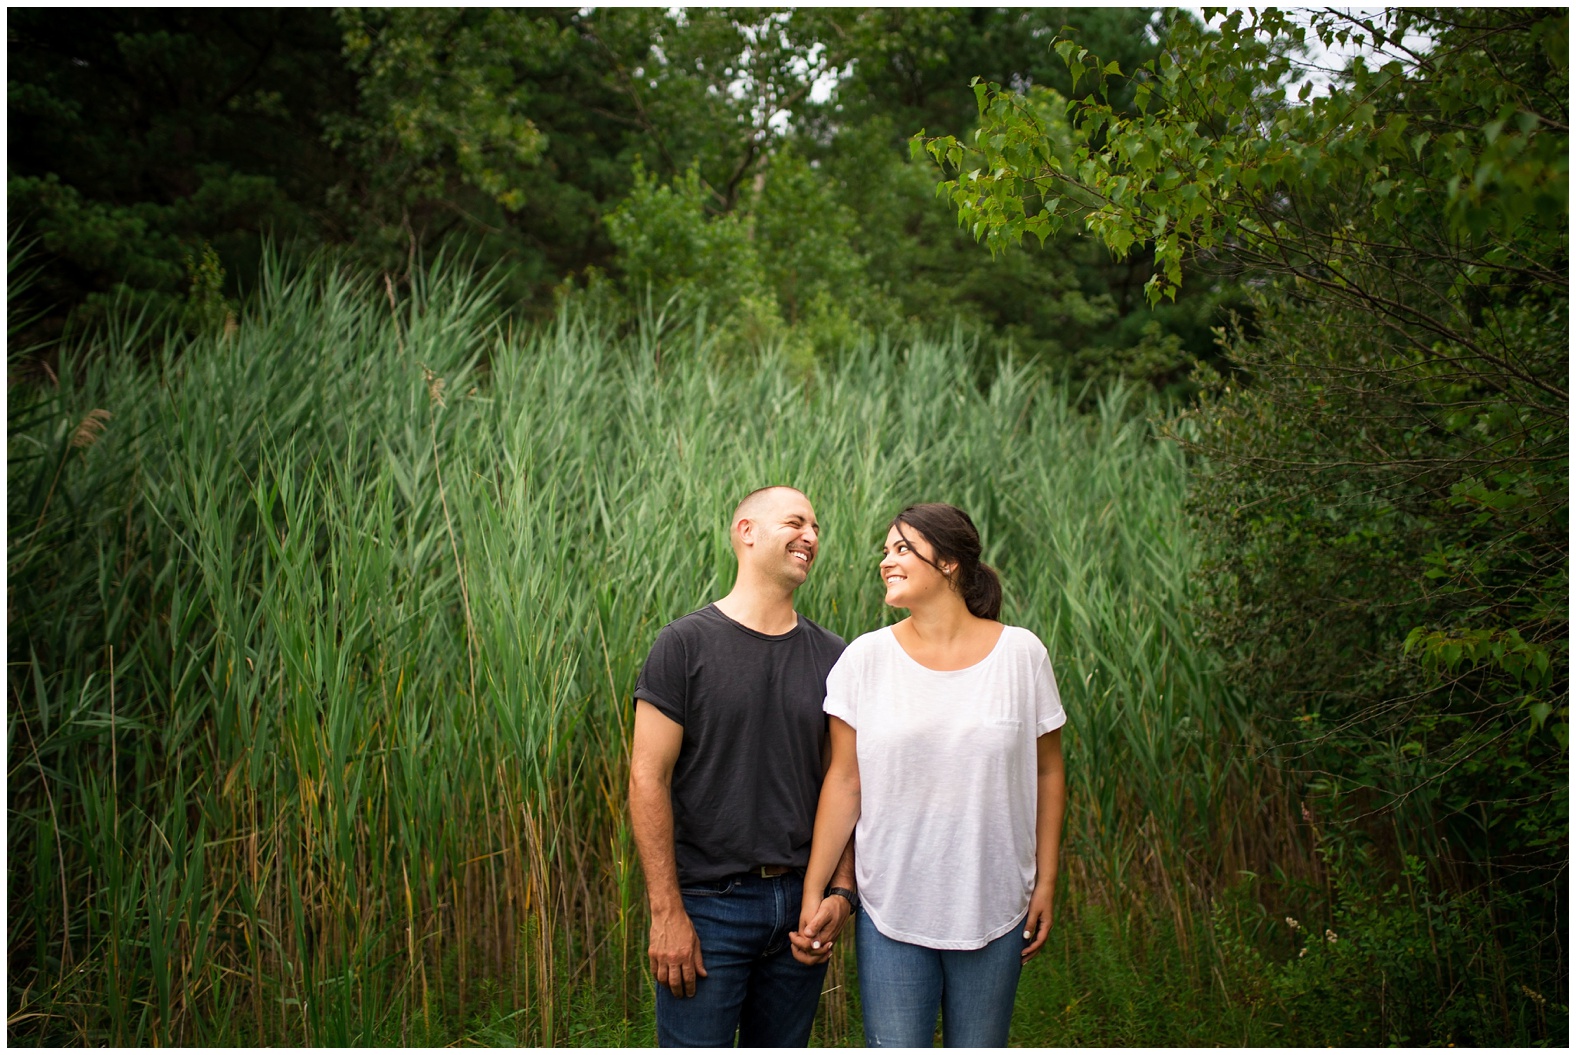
905,571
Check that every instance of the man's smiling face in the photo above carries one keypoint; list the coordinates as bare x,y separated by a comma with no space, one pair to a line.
785,536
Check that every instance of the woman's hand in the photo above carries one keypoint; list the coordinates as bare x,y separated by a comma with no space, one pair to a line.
807,910
819,926
1038,926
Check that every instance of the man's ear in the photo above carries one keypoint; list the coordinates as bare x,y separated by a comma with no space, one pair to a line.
745,527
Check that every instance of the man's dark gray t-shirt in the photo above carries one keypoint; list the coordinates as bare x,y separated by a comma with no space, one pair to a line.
749,771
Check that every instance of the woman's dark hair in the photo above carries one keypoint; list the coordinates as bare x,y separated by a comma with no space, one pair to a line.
953,537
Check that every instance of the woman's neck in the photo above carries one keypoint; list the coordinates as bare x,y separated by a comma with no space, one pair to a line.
942,621
946,636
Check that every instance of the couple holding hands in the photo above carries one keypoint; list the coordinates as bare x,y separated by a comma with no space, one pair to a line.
782,782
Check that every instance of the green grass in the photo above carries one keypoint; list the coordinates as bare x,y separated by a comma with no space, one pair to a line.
321,647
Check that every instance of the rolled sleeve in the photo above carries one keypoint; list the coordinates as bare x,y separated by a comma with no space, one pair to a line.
1048,713
662,682
839,701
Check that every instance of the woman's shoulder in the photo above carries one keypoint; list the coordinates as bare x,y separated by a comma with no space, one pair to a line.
866,645
872,641
1023,641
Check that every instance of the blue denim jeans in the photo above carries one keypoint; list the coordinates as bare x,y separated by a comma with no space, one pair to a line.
753,984
902,986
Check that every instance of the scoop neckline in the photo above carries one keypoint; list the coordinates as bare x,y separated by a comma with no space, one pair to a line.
892,634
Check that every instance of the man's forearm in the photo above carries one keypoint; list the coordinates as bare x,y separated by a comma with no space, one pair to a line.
651,818
843,876
675,953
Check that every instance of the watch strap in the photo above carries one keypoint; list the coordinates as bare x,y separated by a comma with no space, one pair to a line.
844,893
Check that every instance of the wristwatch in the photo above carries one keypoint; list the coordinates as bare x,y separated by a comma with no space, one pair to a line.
844,893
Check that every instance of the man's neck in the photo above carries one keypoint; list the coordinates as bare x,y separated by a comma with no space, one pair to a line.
765,608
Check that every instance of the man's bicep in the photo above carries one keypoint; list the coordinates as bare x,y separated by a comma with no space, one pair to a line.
658,739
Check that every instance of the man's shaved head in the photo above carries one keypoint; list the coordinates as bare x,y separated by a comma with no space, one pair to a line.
750,505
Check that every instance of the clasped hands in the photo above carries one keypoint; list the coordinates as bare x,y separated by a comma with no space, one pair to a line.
821,920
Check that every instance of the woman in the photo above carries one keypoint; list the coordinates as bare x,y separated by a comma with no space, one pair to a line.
946,751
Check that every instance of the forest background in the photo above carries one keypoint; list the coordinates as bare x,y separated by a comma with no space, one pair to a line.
347,348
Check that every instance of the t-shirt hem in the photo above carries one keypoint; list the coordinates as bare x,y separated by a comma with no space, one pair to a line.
955,944
728,870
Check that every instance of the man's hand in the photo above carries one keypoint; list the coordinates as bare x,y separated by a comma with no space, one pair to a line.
819,925
1038,926
675,952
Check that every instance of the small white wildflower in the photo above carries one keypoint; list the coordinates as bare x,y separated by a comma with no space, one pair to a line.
1329,936
1293,924
1303,953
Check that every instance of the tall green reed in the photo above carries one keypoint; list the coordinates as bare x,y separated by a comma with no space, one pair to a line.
322,645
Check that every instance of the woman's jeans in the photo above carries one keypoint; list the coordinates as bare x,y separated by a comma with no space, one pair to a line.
753,984
902,986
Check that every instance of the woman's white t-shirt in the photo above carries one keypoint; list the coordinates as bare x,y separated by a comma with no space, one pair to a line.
948,784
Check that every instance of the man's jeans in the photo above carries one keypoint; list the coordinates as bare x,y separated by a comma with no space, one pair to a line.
753,983
902,986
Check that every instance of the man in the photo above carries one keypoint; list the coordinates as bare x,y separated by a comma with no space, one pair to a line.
730,748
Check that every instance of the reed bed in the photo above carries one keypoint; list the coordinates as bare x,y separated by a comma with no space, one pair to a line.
323,631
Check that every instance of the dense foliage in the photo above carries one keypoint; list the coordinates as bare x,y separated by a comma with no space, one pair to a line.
135,139
327,576
322,640
152,151
1388,497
